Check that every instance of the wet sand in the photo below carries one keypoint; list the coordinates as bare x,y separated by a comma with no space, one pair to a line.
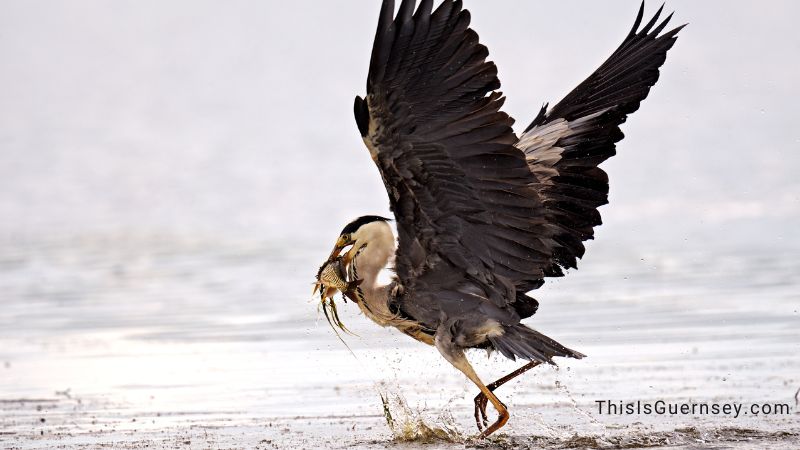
171,343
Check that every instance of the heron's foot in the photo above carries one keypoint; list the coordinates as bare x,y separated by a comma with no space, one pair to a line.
482,419
502,418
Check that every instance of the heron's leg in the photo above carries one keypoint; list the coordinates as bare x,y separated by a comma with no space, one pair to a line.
455,356
480,400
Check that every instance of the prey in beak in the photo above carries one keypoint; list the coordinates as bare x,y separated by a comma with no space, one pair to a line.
342,242
331,275
331,278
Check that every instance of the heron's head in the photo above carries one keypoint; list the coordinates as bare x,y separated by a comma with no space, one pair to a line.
357,233
332,276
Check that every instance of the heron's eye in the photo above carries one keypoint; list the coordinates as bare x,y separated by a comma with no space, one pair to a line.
345,238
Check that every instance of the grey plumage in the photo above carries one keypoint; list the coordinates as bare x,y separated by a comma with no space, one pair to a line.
483,216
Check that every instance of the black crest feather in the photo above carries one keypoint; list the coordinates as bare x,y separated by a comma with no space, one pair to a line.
361,221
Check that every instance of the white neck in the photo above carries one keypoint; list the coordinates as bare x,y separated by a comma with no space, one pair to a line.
374,247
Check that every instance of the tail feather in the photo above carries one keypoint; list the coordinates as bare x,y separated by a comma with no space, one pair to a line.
519,341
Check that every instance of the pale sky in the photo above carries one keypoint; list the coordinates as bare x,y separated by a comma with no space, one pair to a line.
236,117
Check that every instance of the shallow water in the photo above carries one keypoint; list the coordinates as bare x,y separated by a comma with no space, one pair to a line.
172,173
134,340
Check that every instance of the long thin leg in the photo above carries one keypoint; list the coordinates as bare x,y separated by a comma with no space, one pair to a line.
480,400
455,356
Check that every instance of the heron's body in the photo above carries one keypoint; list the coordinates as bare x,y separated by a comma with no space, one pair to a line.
483,216
378,301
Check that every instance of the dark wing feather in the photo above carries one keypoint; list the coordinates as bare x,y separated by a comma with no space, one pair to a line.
458,187
565,145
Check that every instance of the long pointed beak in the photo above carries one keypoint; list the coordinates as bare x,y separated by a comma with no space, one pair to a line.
337,249
335,253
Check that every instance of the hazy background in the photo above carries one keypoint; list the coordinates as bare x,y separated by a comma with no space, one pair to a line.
234,118
172,173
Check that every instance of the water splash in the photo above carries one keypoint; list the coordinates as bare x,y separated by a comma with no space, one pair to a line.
409,425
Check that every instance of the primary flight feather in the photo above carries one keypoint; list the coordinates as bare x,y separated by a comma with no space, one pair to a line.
483,216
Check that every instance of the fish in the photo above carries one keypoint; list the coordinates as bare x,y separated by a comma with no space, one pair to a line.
330,279
332,274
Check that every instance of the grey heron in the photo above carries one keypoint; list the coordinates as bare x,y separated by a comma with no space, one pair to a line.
483,216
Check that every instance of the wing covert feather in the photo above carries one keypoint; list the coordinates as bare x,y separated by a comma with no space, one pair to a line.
565,145
470,198
458,187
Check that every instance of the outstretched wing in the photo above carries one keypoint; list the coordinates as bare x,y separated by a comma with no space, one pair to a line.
458,187
565,145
